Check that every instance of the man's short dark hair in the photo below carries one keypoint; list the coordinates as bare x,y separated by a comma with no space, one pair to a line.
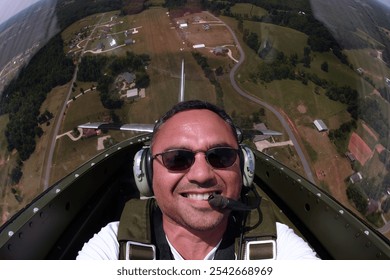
195,105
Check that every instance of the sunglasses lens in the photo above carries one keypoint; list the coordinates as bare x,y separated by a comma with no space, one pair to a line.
181,160
178,160
221,157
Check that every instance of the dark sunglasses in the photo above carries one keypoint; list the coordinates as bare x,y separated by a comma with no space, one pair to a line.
182,159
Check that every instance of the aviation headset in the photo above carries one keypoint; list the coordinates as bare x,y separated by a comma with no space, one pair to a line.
143,159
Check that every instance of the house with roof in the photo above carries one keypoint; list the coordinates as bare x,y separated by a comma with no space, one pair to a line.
220,50
91,132
350,156
127,77
355,178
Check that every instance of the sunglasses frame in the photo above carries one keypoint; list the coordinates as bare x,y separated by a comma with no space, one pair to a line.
206,153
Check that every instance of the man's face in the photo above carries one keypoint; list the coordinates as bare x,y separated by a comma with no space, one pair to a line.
182,196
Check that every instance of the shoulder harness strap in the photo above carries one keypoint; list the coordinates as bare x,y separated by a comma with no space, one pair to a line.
258,240
135,231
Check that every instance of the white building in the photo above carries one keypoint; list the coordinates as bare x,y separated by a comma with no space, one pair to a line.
199,46
132,93
320,125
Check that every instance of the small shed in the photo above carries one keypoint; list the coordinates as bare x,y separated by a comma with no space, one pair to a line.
350,156
199,46
320,125
220,50
355,178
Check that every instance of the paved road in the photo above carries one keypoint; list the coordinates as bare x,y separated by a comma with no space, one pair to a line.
306,166
58,121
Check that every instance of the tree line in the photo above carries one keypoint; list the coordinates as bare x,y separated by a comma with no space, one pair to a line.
23,97
71,11
211,75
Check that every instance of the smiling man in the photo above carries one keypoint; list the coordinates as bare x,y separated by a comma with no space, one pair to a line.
195,154
183,196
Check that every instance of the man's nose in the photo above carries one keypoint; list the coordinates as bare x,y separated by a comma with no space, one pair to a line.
201,172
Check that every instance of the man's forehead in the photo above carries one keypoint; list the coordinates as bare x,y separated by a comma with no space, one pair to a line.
195,123
204,117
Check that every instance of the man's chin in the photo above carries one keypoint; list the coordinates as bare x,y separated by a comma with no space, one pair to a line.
208,221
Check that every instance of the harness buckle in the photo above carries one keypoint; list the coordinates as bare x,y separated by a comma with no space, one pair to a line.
260,250
140,251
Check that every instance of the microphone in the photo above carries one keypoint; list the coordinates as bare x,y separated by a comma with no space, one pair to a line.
221,202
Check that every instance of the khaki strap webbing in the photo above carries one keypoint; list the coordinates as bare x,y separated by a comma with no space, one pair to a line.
260,233
137,227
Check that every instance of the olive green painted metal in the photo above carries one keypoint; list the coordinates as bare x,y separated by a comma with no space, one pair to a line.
36,231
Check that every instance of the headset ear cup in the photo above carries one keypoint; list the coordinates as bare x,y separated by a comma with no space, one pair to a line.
143,172
247,165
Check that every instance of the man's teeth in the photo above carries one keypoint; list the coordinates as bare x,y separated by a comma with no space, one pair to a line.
198,196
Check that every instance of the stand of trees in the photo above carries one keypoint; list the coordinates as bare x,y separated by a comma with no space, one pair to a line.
71,11
211,75
340,136
357,195
23,97
171,4
360,193
103,70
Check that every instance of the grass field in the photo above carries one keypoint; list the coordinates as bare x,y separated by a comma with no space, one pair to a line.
373,67
281,38
248,10
7,162
157,38
302,105
30,184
